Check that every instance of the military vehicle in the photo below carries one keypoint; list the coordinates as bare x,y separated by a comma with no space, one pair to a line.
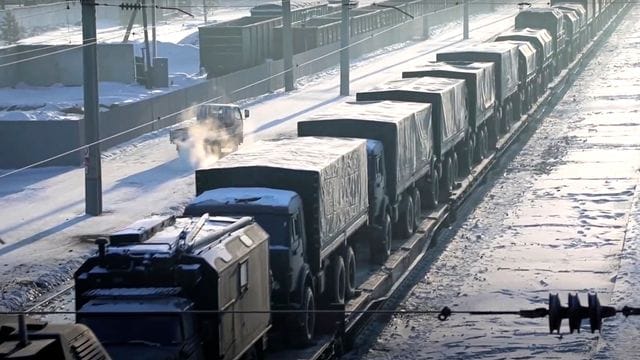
449,118
310,194
551,20
480,81
505,59
26,338
176,288
399,148
218,129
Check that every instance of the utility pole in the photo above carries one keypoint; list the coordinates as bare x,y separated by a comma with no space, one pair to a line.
153,29
345,34
204,10
146,46
465,20
91,125
287,45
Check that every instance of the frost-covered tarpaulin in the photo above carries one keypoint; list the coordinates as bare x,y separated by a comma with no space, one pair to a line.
480,81
543,18
330,174
447,97
504,56
540,38
404,129
527,54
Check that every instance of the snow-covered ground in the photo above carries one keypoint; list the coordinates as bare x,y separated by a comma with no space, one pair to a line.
562,216
44,225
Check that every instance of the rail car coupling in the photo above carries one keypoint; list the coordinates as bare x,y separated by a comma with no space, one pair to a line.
575,312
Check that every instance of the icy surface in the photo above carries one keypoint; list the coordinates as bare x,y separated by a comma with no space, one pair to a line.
42,210
563,217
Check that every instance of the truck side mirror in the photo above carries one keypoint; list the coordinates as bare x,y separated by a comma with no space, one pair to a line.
246,113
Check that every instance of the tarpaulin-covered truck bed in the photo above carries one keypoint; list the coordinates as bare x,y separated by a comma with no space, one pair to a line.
571,23
588,9
448,100
479,78
540,38
578,10
527,59
543,18
330,175
504,56
404,129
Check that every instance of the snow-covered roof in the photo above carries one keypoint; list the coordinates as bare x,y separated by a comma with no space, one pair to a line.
240,196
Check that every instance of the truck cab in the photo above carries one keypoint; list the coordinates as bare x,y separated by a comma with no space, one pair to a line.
174,288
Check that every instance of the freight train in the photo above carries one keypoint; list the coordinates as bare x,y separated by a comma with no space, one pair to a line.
291,217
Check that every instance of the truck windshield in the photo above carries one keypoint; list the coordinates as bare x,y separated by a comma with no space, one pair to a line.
277,226
124,329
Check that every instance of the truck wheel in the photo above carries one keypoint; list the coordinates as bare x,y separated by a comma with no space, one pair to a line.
471,147
485,145
406,222
213,149
351,272
305,322
445,180
339,281
417,209
455,167
382,245
506,118
480,142
430,201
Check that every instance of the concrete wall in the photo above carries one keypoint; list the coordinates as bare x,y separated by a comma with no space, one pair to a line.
16,137
63,64
27,142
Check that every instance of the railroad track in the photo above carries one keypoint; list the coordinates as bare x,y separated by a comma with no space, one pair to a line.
360,322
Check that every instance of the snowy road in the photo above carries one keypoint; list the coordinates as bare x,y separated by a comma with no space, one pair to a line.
42,210
562,216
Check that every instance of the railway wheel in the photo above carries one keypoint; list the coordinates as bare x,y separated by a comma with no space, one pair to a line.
407,220
351,271
381,248
338,281
417,209
305,320
432,192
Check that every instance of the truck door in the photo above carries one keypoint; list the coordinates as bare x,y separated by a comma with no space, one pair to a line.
296,250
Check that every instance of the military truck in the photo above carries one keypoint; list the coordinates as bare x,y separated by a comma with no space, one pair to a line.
311,195
551,20
572,31
399,148
589,8
26,338
175,288
480,81
543,43
527,73
218,129
582,15
505,59
449,119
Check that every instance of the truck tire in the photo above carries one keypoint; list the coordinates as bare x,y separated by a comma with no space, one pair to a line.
305,320
351,272
417,209
506,118
432,192
471,154
480,144
213,149
445,180
406,221
455,167
338,283
381,248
